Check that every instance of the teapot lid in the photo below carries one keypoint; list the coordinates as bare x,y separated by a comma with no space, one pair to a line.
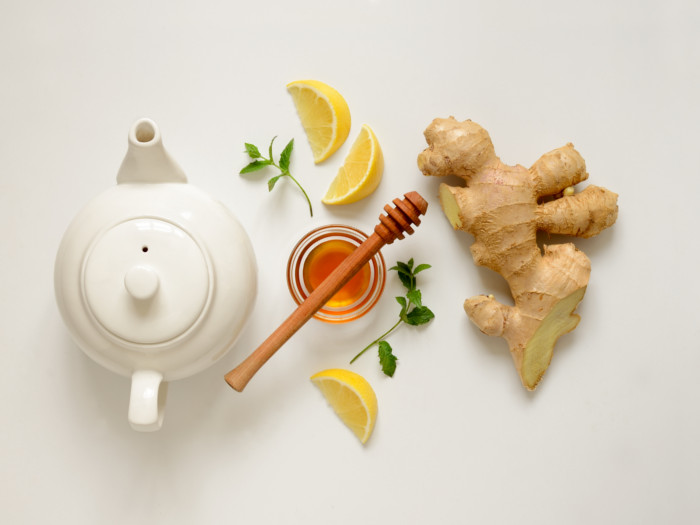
146,281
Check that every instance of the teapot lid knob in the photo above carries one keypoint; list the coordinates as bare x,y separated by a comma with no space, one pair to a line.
141,281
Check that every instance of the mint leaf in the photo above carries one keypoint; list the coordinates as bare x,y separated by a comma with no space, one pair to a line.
420,268
270,149
405,276
403,266
271,183
415,297
419,315
402,301
254,166
387,359
286,155
253,151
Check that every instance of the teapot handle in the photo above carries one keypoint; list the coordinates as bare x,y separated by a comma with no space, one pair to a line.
147,402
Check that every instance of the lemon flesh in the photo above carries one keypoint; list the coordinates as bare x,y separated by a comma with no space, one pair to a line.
352,398
361,172
324,114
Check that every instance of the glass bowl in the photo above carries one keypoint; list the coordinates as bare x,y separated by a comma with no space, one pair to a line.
317,254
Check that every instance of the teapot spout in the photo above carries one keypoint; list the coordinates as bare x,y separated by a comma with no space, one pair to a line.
146,159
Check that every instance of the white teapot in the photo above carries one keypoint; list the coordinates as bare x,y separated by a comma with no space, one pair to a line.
154,278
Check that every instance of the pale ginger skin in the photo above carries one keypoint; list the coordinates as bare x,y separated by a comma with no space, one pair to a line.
502,207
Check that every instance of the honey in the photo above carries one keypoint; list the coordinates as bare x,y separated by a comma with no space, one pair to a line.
314,258
323,259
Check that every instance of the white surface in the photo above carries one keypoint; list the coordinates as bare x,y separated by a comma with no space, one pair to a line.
611,434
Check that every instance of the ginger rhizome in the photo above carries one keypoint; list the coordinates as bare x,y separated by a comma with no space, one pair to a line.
503,207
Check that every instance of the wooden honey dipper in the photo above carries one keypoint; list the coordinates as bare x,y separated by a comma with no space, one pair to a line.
392,226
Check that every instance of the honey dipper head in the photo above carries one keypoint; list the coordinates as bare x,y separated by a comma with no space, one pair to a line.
418,202
399,219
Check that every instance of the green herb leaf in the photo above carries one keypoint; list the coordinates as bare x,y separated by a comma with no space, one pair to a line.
387,359
419,315
403,266
270,149
420,268
253,151
286,156
415,297
254,166
402,301
271,183
405,276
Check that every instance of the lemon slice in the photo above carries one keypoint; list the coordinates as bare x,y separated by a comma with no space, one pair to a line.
352,398
361,172
323,113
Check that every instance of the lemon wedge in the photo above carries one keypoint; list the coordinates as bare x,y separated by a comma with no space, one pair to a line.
323,113
361,172
352,398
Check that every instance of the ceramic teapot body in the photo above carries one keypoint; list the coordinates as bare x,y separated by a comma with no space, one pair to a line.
154,278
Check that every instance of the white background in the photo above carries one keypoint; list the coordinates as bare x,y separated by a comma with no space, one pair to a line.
610,436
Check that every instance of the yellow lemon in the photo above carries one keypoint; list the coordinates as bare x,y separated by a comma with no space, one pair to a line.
361,172
352,398
323,113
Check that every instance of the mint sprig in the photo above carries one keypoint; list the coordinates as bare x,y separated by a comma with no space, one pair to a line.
259,162
413,312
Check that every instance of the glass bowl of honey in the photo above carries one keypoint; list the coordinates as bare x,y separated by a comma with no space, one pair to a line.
317,254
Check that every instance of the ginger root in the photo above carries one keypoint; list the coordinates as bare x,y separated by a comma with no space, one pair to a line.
503,207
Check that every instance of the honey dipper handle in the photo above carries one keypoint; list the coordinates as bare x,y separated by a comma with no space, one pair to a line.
392,226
